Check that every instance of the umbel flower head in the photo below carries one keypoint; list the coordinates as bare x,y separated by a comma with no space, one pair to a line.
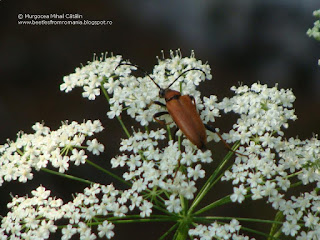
135,93
45,147
160,172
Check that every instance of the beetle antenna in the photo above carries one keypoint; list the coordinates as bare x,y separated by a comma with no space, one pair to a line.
141,69
192,69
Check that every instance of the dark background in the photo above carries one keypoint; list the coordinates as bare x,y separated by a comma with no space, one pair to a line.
243,41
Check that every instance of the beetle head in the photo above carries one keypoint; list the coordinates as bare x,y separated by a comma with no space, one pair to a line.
162,92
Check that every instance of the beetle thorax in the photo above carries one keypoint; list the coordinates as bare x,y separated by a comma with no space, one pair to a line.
169,94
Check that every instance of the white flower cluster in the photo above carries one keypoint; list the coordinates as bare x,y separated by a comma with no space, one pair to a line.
262,110
266,164
135,93
219,231
271,163
315,31
302,213
149,167
37,150
91,76
35,217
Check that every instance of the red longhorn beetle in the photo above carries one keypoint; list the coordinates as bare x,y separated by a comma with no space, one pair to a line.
182,109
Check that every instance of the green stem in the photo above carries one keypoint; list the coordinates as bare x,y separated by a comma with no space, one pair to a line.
278,233
169,132
104,92
67,176
123,126
204,219
182,231
143,220
118,117
132,219
147,129
296,184
275,227
217,203
227,199
168,232
128,217
108,172
259,233
293,174
209,184
183,203
163,210
221,175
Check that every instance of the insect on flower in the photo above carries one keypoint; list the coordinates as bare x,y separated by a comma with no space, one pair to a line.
182,109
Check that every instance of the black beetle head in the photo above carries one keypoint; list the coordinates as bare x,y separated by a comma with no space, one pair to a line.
162,92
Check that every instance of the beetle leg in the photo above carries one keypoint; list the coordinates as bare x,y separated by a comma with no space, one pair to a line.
211,129
159,114
156,102
159,103
192,99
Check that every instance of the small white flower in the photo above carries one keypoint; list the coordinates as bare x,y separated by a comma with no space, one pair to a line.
41,129
146,209
196,172
173,204
63,164
78,157
105,230
269,189
90,92
68,85
234,226
95,147
188,189
68,232
238,194
219,231
311,220
256,192
290,228
115,110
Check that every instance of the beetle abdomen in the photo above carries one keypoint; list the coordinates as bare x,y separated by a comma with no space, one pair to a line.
184,113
